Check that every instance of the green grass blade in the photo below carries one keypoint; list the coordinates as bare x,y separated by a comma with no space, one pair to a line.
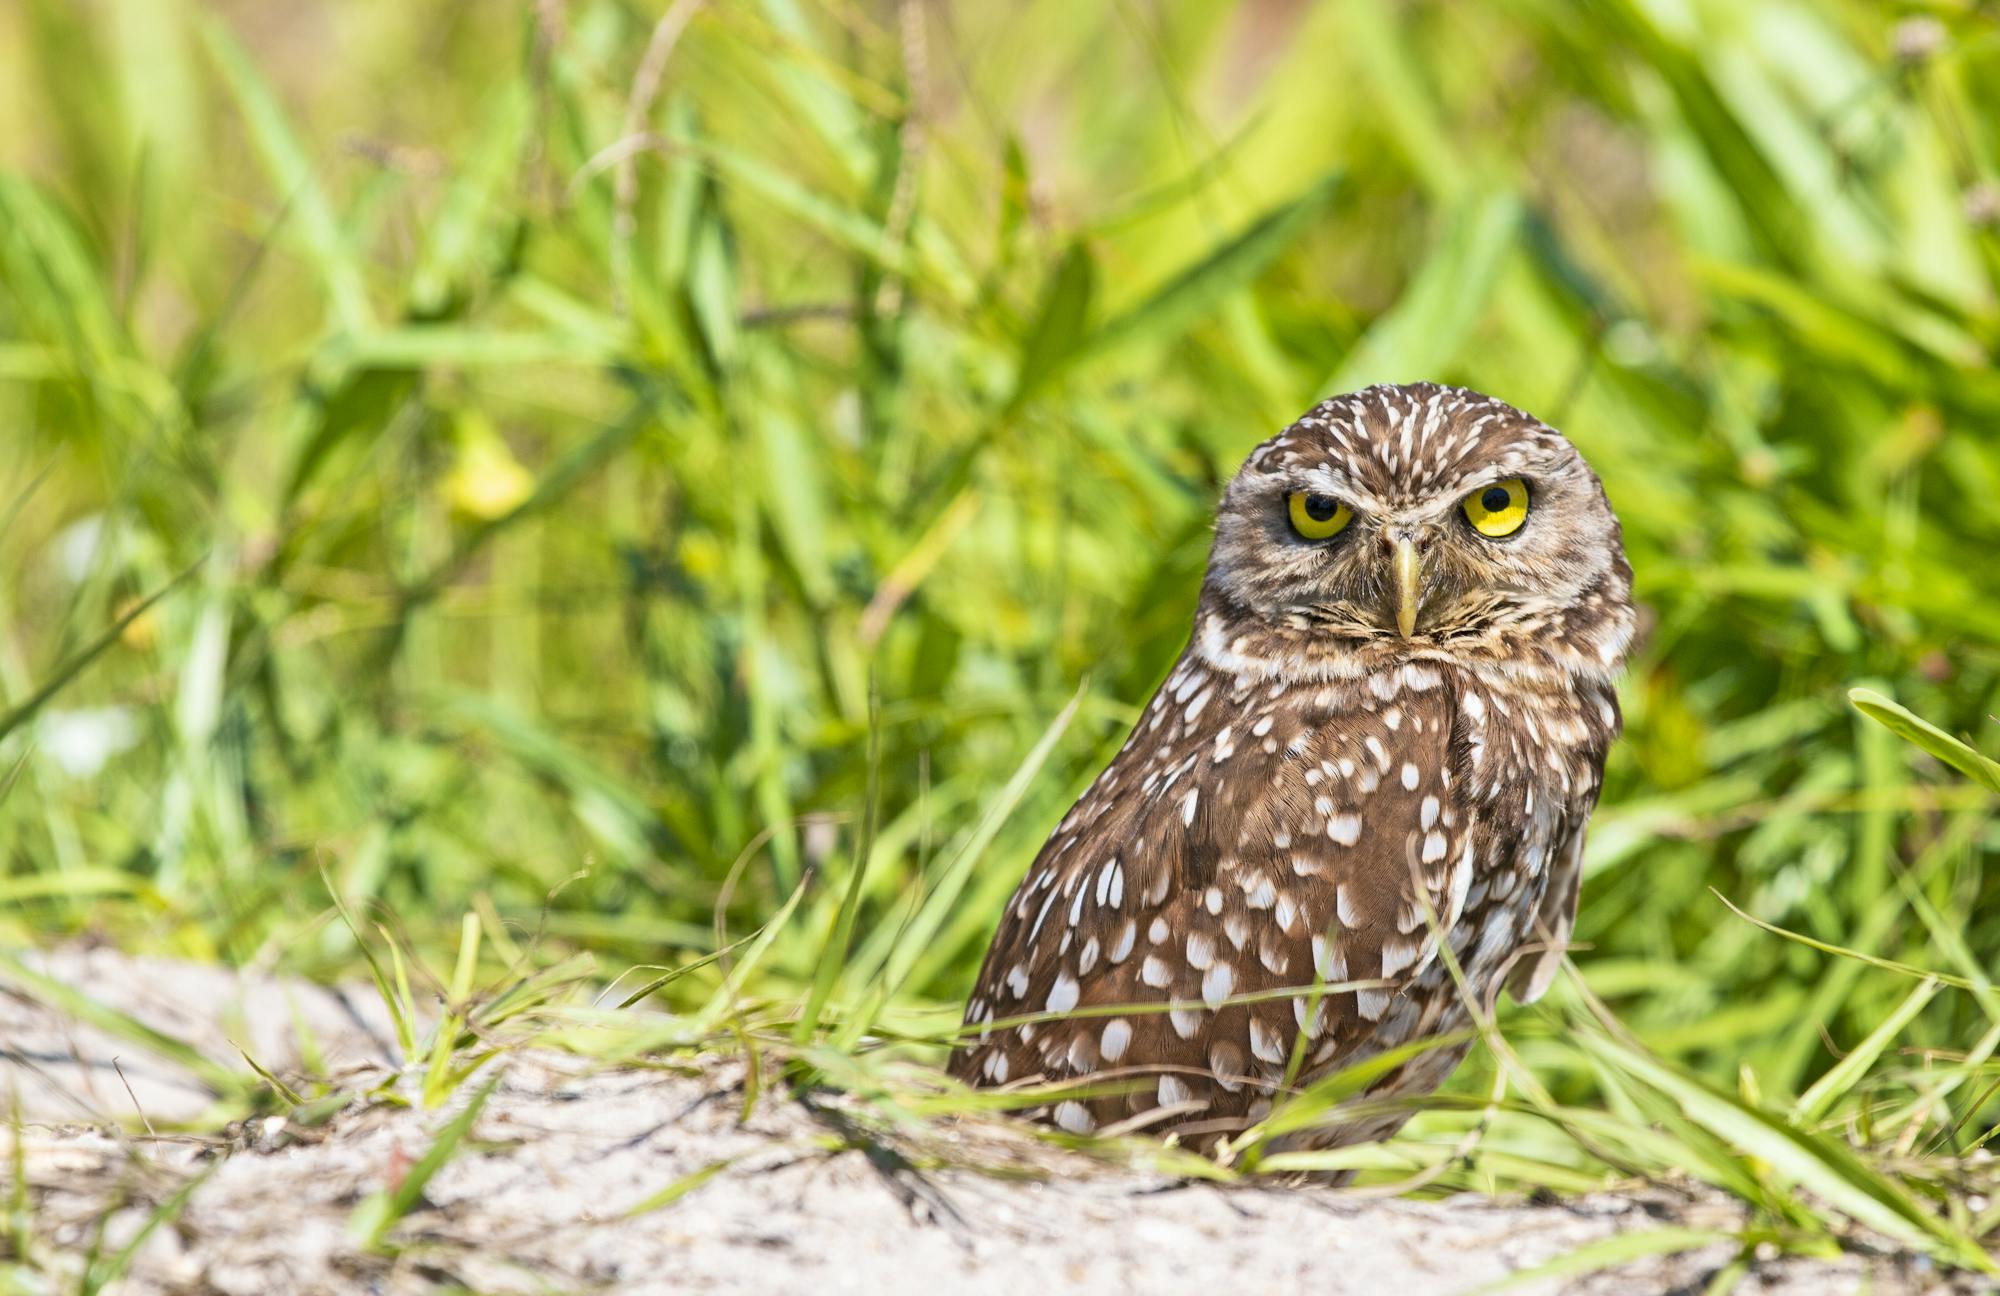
382,1210
103,1273
1424,331
1916,730
79,660
437,346
1610,1253
72,1002
833,956
1054,339
20,1207
1827,947
908,956
475,208
1817,1163
291,173
1198,290
680,1187
1843,1075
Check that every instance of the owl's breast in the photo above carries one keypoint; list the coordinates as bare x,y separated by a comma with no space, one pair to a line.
1258,886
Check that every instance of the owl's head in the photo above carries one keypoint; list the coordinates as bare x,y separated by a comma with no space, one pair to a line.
1416,522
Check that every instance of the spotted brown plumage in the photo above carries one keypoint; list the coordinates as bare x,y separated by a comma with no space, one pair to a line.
1390,722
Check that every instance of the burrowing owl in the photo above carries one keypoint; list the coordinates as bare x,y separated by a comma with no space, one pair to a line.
1390,721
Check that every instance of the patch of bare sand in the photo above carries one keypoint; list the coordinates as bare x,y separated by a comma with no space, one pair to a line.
539,1198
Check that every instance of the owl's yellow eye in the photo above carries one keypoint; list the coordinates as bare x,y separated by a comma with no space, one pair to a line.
1316,516
1498,510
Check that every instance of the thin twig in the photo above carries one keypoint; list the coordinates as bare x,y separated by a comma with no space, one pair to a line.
645,89
549,31
909,151
779,316
136,1104
615,154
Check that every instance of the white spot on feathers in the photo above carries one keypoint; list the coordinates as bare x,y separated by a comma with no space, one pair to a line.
1074,1117
1265,1043
1317,1023
1225,1063
1215,986
1036,930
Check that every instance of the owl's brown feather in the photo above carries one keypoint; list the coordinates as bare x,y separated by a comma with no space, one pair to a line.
1306,803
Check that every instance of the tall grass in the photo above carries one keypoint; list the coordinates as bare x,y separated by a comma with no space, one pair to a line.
637,472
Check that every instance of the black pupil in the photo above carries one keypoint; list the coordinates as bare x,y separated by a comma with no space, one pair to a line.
1495,499
1321,507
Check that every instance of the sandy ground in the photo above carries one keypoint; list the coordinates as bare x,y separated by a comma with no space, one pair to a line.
539,1198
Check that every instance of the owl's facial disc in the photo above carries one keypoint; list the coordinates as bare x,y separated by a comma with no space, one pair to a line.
1420,521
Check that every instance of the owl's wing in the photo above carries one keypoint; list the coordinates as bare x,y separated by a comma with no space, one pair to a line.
1562,841
1245,845
1555,917
1089,899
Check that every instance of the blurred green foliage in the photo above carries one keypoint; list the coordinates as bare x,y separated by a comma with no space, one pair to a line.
574,426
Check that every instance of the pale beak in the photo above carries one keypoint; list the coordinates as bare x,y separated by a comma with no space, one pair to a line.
1406,586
